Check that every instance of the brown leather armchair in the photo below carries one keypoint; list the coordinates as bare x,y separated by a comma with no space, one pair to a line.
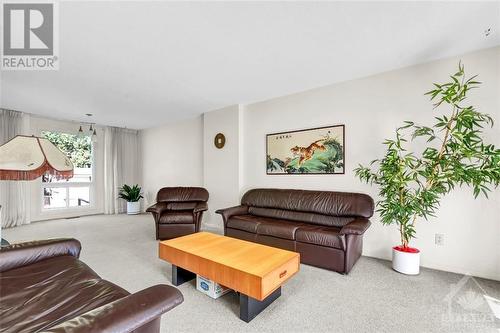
178,211
44,287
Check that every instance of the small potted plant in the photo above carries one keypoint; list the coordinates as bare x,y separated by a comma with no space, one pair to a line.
131,194
454,154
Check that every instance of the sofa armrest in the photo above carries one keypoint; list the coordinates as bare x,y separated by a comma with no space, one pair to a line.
231,211
126,314
157,208
22,254
200,207
356,227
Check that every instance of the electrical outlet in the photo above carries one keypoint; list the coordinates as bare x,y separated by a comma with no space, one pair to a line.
439,239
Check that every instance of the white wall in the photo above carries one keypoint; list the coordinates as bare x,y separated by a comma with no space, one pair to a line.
371,108
221,175
171,156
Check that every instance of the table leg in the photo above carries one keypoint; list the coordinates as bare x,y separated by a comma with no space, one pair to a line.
250,307
180,275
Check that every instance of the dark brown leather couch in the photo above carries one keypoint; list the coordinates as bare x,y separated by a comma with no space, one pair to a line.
44,287
326,228
178,211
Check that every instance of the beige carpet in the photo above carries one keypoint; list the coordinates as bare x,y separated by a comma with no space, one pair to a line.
372,298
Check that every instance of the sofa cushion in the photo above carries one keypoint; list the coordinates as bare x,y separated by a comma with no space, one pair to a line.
51,291
179,216
319,219
318,202
324,236
264,226
279,228
247,223
178,194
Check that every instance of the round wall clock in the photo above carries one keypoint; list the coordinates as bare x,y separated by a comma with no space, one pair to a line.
219,140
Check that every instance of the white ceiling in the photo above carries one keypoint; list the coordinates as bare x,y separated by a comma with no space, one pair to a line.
143,64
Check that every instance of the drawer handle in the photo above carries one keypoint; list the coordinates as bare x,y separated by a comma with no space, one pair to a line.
282,274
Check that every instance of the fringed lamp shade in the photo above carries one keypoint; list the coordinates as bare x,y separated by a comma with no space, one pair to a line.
29,157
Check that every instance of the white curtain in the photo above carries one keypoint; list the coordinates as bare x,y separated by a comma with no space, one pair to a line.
121,165
13,194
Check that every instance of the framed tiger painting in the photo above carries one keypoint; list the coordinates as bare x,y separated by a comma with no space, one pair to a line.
310,151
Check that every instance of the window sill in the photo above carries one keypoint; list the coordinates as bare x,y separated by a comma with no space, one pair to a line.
64,213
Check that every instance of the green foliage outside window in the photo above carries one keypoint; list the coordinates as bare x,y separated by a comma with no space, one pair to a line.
78,149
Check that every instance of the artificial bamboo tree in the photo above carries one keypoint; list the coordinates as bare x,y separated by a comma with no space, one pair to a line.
412,184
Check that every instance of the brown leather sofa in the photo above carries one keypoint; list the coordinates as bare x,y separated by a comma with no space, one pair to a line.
178,211
326,228
44,287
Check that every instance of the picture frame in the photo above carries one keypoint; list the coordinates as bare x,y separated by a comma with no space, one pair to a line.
311,151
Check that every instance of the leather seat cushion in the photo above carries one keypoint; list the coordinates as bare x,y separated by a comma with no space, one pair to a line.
324,236
279,228
179,216
247,223
51,291
265,226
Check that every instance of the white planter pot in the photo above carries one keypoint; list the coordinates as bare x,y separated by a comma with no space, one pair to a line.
406,262
133,208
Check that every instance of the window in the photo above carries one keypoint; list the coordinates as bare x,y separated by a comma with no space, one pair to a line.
74,192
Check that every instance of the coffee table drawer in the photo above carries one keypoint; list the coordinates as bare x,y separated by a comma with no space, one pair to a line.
278,276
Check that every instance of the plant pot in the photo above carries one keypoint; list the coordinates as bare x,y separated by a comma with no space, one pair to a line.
406,260
133,208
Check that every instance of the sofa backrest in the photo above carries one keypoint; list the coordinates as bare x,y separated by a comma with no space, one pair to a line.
318,207
291,215
182,194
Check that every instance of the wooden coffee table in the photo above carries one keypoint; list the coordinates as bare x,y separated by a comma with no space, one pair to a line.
255,271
